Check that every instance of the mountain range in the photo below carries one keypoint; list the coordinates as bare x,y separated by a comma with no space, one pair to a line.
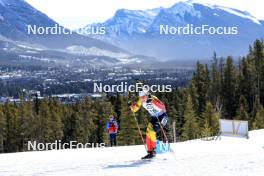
131,36
16,43
139,31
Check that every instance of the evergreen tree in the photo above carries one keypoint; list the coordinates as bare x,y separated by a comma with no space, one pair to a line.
195,97
99,131
259,120
229,88
257,54
190,127
56,125
211,118
72,127
256,107
215,85
44,129
12,125
179,106
206,130
129,133
2,130
88,115
247,77
117,108
242,113
201,82
26,124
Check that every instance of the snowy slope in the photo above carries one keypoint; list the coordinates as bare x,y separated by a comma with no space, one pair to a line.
243,14
226,157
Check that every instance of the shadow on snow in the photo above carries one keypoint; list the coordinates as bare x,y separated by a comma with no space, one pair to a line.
135,163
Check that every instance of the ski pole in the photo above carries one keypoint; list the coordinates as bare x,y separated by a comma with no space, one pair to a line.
167,141
139,131
162,129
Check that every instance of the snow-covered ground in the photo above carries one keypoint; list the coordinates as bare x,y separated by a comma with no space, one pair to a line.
226,157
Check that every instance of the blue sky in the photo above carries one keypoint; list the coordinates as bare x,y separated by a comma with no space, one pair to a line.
78,13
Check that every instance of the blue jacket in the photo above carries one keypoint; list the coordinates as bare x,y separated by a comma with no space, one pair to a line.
112,127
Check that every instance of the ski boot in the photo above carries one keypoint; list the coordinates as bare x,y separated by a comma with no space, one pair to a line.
151,154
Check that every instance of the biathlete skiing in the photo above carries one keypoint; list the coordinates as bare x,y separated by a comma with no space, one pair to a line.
157,122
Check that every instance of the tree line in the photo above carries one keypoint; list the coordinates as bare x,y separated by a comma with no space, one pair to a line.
225,88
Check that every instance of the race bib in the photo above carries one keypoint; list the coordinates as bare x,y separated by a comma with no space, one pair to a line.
164,121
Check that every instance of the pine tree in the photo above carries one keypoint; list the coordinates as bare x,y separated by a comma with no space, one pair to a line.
12,126
190,127
242,113
44,129
211,118
117,108
87,120
56,125
201,81
257,53
72,127
179,106
98,122
259,120
229,88
129,133
2,129
215,85
195,97
253,114
247,83
26,124
206,130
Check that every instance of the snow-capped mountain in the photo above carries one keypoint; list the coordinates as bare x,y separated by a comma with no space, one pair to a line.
17,15
139,31
127,22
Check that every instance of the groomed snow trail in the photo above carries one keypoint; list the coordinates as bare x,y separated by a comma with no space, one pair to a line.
226,157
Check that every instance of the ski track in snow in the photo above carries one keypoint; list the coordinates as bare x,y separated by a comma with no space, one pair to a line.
226,157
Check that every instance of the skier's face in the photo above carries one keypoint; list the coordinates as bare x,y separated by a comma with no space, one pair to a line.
144,98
